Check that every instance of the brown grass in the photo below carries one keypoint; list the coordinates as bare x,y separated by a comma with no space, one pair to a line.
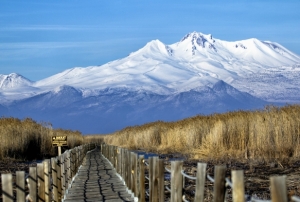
27,139
269,134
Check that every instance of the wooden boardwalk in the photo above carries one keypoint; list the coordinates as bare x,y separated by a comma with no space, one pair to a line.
97,180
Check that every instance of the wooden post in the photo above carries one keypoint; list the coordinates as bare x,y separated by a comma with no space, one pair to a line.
59,150
116,157
134,176
74,165
176,181
154,180
161,180
7,189
47,180
68,169
109,153
65,168
119,161
41,182
58,169
54,180
32,184
125,166
132,165
61,159
219,185
141,195
238,188
123,170
136,173
200,182
150,178
20,186
128,161
278,188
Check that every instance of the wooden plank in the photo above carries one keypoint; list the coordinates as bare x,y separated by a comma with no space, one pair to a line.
141,195
68,169
58,169
176,181
128,161
74,164
278,188
154,180
131,173
200,182
47,180
32,184
61,159
123,164
161,180
118,168
20,186
135,173
150,172
41,182
94,173
238,187
54,179
116,157
219,185
7,190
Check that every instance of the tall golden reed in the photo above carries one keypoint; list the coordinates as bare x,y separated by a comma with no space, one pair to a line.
27,139
269,134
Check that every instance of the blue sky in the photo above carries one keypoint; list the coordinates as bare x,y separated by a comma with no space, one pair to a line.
39,38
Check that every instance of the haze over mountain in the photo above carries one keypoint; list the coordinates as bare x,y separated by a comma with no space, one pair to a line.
197,75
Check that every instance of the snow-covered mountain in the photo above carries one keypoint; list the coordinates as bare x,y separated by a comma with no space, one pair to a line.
13,80
198,74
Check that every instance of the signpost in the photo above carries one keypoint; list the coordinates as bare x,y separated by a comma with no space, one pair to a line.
59,141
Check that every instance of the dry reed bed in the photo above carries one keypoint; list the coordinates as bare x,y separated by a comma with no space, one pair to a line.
27,139
269,134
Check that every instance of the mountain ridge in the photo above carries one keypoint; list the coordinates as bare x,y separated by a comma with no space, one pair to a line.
197,75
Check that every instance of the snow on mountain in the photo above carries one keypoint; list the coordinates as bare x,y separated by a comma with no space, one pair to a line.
198,59
15,87
13,80
197,75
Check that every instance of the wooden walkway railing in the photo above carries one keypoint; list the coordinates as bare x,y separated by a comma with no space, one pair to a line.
131,167
47,181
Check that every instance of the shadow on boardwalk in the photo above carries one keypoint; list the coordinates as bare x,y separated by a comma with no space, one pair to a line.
97,180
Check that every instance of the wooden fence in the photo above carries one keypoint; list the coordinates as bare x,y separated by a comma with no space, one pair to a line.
47,181
131,168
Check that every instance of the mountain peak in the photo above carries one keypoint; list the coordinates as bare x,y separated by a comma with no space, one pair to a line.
13,80
198,41
153,48
198,35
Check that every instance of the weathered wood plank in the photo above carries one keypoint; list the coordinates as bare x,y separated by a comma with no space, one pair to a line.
200,182
238,187
7,190
141,195
278,189
219,185
32,184
97,180
47,179
41,182
20,186
176,181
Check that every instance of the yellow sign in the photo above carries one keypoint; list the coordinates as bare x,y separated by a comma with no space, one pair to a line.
59,140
